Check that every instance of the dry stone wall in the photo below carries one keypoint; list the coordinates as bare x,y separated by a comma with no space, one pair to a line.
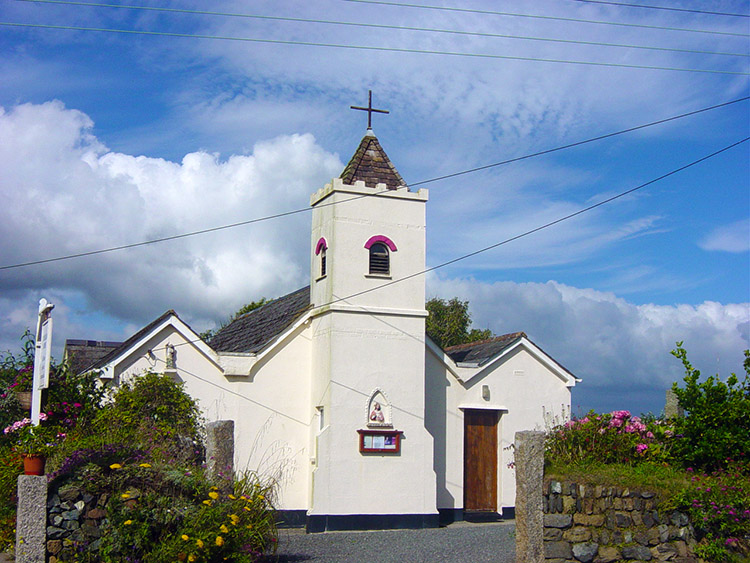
75,519
596,524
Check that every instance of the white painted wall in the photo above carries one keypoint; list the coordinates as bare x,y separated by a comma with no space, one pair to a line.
520,384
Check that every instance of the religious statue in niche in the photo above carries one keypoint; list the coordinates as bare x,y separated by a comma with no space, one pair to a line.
378,410
171,356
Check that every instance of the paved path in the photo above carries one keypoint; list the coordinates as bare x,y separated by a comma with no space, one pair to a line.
457,543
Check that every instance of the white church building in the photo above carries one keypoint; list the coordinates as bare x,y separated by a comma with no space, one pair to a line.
335,390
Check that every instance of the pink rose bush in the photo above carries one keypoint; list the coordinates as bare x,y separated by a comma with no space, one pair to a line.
616,437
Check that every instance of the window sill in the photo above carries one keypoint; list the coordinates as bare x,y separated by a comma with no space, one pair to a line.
320,278
379,276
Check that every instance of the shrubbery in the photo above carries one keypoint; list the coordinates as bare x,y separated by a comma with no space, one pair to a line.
708,447
142,447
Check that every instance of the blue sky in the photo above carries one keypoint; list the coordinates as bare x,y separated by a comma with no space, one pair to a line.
107,139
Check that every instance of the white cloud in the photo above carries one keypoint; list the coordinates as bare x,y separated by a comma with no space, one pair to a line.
64,193
734,237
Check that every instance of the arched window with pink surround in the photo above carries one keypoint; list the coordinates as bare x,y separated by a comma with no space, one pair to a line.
320,251
380,248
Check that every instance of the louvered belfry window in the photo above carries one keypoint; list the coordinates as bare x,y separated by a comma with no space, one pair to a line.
380,262
322,262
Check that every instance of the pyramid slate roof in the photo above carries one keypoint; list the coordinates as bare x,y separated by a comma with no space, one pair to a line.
371,165
483,351
251,332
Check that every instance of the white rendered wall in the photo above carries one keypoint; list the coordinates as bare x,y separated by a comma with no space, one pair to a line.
270,407
373,340
523,385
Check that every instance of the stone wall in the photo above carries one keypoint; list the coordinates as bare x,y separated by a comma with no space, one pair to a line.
596,524
74,521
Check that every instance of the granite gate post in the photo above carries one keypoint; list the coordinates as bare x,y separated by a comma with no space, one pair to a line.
220,451
529,463
31,521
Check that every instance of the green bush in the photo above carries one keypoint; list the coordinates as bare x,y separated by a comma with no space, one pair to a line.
715,427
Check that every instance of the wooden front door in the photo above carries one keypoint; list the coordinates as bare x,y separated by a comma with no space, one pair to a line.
480,460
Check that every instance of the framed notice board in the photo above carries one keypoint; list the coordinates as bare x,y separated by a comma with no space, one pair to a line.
380,441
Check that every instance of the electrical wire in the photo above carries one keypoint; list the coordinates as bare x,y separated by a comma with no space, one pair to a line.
367,48
536,16
670,8
530,231
422,182
384,26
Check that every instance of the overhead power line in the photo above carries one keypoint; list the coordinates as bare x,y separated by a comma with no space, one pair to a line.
422,182
670,8
537,16
385,26
530,231
545,226
367,48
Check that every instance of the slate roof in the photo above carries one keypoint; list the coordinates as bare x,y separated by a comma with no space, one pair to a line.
112,354
483,351
371,165
82,354
251,332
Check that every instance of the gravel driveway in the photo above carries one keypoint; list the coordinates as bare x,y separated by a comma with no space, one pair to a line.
459,542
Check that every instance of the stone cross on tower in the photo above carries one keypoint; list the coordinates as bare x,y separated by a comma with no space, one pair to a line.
370,110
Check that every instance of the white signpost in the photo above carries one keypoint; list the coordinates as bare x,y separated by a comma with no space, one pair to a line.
42,355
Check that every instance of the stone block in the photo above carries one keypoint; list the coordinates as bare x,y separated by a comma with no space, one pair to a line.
623,520
679,519
552,534
648,520
637,517
628,504
665,551
637,552
641,537
577,534
555,487
557,549
554,520
529,459
607,554
568,505
647,494
617,503
596,520
31,519
585,552
54,546
220,450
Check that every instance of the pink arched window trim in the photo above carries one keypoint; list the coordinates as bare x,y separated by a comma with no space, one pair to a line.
322,245
381,238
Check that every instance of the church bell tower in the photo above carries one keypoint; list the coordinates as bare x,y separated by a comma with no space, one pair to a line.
372,456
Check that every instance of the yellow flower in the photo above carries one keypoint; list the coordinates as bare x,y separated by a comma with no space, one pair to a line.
247,508
243,497
115,466
261,497
192,557
146,465
214,489
224,529
232,497
125,495
219,541
214,495
207,502
127,523
249,526
199,543
234,518
185,537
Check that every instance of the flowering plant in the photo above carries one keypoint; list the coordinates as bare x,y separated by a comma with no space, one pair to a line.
23,380
33,440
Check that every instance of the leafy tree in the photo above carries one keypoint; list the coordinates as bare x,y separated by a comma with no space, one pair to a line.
448,323
715,428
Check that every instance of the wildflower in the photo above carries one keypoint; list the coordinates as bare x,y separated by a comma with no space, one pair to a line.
125,495
207,502
232,497
247,508
214,489
146,465
219,541
224,529
234,518
214,495
115,466
640,448
192,557
127,523
261,497
249,526
185,537
199,543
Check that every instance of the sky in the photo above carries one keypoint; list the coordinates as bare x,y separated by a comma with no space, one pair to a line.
206,119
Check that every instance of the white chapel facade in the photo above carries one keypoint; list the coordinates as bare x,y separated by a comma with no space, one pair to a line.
336,391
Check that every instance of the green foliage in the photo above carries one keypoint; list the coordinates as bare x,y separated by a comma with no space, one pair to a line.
716,425
10,468
448,323
719,508
616,437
